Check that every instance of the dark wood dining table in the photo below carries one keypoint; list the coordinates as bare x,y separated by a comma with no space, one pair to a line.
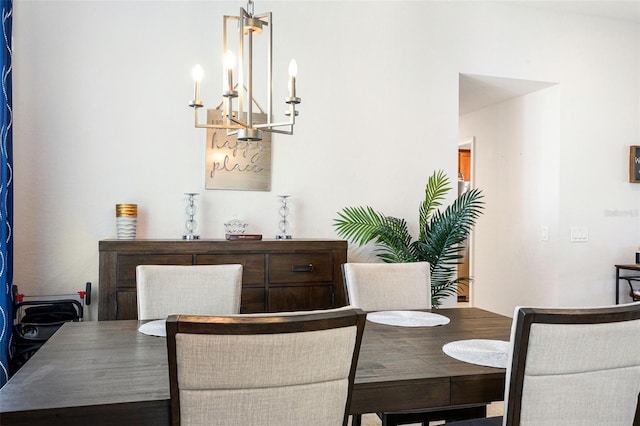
108,373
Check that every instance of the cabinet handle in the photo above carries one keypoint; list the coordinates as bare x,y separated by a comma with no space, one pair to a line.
302,268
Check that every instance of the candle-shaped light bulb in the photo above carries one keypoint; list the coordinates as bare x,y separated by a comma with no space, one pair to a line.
293,72
293,68
197,73
229,64
229,60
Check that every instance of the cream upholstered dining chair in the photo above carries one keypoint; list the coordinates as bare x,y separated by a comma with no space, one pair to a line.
388,286
163,290
263,370
572,367
398,286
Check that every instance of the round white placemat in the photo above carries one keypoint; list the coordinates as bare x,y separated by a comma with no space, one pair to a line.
407,318
154,328
490,353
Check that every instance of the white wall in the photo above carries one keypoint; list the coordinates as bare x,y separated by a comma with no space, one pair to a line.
515,162
100,94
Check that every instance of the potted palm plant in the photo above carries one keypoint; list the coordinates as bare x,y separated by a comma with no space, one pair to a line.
442,233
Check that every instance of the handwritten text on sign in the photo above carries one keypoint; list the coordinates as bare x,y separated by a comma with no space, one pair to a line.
234,164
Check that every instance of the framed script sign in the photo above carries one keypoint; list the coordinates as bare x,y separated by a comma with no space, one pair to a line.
634,164
234,164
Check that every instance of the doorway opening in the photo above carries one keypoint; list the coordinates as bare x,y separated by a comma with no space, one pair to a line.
465,155
509,136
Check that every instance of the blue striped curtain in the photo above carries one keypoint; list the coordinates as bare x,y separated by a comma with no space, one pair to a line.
6,194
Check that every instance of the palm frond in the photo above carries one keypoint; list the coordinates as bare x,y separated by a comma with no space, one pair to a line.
446,289
447,231
395,241
358,224
363,225
434,193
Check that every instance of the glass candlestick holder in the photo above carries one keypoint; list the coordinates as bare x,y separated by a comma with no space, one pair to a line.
283,225
191,223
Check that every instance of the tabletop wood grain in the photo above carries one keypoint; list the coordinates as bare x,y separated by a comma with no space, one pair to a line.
107,373
405,368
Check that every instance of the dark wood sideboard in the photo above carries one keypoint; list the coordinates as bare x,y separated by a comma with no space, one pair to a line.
278,275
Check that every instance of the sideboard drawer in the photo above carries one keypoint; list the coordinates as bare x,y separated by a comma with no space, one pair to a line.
252,265
127,265
300,268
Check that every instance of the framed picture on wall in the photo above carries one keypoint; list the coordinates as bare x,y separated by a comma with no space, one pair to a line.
634,164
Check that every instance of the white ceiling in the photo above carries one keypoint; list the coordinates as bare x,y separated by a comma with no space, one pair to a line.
478,91
612,9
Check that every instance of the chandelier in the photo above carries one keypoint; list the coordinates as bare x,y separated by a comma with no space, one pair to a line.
239,120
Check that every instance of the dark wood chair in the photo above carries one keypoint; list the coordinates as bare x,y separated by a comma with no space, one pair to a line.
263,370
573,366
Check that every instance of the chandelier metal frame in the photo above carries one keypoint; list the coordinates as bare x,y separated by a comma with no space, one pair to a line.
240,122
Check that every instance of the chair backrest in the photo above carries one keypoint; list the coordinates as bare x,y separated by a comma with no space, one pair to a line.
263,370
388,286
574,366
163,290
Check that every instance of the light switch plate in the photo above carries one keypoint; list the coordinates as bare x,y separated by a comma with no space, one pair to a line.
544,233
579,234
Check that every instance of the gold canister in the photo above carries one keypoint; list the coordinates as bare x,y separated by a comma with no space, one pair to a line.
126,210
